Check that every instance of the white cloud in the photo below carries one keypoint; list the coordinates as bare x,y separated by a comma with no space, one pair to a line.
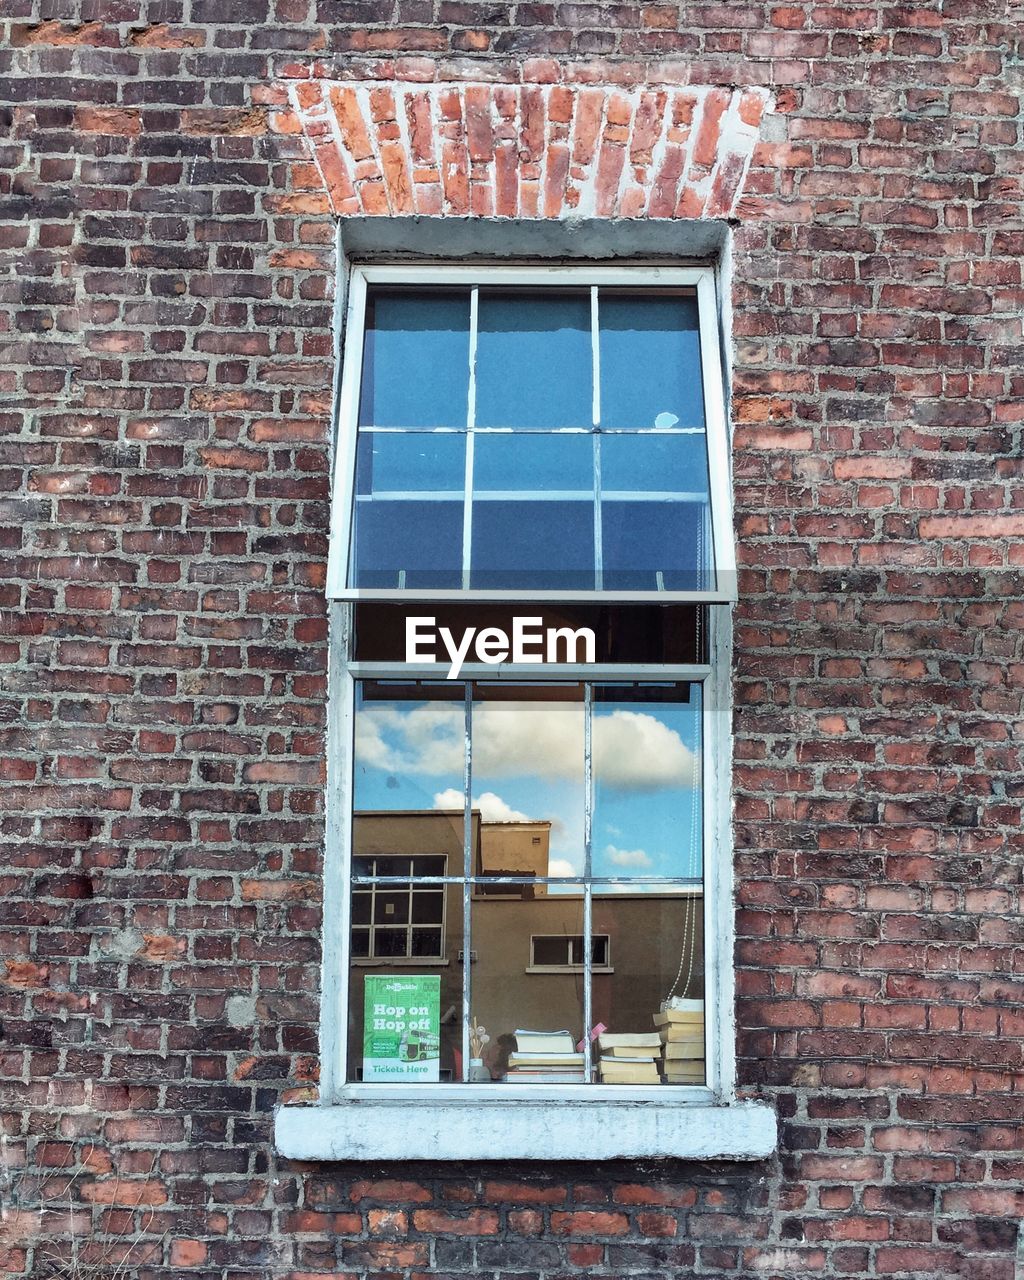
492,807
627,857
633,750
426,738
562,867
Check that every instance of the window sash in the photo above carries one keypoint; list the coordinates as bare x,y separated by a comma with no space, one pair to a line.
717,906
723,566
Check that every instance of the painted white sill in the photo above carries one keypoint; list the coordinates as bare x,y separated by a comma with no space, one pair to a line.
567,968
670,1125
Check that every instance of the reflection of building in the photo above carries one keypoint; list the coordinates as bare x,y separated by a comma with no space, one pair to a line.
526,942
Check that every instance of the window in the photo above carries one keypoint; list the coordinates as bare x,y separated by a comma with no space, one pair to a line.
547,433
558,952
541,449
397,916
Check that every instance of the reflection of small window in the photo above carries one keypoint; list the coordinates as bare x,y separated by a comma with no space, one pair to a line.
568,952
402,921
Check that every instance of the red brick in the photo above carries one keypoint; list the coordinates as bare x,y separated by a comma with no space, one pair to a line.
585,1222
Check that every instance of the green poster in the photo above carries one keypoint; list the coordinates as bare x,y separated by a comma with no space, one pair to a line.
402,1028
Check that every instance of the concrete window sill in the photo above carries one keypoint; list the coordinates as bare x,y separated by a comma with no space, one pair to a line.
515,1128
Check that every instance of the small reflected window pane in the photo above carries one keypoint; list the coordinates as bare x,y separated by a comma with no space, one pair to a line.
361,908
415,360
408,544
389,942
417,462
360,943
391,866
426,942
532,545
391,907
551,951
534,462
655,546
428,866
533,361
427,907
650,361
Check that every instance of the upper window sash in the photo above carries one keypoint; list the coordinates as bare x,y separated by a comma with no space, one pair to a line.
623,509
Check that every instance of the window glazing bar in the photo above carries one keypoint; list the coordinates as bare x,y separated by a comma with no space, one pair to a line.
588,809
534,431
467,495
525,880
467,868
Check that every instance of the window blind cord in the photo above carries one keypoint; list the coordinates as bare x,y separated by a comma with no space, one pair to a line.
689,940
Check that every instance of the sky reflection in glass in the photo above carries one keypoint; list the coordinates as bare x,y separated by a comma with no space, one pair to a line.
415,360
533,361
529,765
650,361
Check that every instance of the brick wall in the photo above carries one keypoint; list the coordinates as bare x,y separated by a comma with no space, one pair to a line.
166,269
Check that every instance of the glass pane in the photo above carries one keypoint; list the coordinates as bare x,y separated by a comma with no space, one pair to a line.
390,942
657,953
507,998
427,906
413,462
534,361
650,361
415,359
655,546
378,866
408,778
405,993
532,545
549,951
535,462
426,942
408,544
391,907
655,464
528,781
647,809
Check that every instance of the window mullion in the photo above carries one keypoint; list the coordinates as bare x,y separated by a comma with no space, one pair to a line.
467,871
595,346
467,497
588,808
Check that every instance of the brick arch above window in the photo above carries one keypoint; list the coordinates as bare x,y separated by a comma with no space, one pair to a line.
530,150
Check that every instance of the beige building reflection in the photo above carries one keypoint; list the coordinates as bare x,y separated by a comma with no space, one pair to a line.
526,938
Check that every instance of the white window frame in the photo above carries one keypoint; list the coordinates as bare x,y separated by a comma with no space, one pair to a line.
508,1121
702,279
720,1062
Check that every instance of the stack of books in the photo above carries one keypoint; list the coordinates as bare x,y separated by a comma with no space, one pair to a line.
629,1057
681,1030
544,1057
